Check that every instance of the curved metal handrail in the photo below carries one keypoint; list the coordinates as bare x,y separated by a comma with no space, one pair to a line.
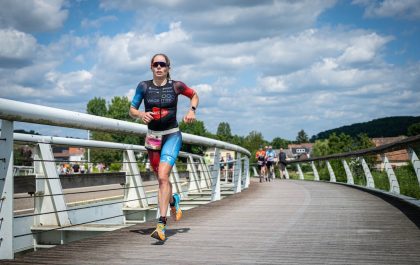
25,112
413,140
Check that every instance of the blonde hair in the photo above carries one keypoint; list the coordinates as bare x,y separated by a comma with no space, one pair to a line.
168,62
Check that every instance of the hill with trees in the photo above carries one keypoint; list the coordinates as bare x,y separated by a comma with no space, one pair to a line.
383,127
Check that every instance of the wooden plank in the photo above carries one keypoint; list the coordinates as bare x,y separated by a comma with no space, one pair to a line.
280,222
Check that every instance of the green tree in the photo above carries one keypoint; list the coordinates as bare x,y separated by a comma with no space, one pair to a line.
253,141
363,142
320,148
195,128
278,142
223,132
413,129
22,155
340,143
238,140
119,109
302,137
97,106
105,156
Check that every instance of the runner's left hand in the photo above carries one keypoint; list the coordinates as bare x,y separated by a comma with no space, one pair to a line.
190,117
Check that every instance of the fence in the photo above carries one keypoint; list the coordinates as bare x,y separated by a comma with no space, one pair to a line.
53,220
373,168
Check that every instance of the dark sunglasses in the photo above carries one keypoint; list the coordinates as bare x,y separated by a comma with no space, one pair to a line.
161,64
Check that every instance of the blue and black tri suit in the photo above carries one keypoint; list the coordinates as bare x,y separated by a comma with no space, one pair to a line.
162,101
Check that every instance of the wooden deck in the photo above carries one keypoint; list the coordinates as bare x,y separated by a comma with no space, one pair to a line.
282,222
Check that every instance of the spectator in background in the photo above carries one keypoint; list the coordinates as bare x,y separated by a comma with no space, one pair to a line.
76,168
229,162
222,167
100,167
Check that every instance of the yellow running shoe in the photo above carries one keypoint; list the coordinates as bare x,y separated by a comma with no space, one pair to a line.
159,232
176,212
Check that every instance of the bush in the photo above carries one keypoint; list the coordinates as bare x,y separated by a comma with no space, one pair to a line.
381,180
115,167
408,181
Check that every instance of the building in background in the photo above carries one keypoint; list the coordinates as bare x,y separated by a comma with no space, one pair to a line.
299,151
396,158
73,154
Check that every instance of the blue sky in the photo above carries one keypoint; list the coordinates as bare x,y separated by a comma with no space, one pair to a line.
275,67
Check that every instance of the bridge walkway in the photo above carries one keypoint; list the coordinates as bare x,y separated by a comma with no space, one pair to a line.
280,222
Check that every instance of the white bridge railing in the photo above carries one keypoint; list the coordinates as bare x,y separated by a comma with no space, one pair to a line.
53,219
359,165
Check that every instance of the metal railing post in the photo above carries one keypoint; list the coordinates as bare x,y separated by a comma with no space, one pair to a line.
370,183
394,186
202,174
215,187
194,183
206,173
301,177
134,194
349,176
236,178
331,171
47,183
286,173
416,163
6,189
316,175
176,184
247,173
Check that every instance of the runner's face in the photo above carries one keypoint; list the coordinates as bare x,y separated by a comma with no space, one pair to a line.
159,72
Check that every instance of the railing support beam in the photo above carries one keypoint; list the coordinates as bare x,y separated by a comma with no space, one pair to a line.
301,177
194,182
370,183
415,162
286,173
237,174
176,184
48,183
394,186
349,176
215,184
316,175
6,190
331,171
247,173
134,194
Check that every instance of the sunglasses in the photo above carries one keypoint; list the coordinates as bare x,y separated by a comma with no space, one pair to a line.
161,64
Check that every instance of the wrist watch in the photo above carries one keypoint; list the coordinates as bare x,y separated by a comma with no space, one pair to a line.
193,108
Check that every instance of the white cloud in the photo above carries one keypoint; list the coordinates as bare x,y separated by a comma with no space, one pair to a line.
405,9
96,23
363,48
272,84
70,84
32,15
16,48
241,20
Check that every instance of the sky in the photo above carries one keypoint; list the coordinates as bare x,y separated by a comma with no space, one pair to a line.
274,67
